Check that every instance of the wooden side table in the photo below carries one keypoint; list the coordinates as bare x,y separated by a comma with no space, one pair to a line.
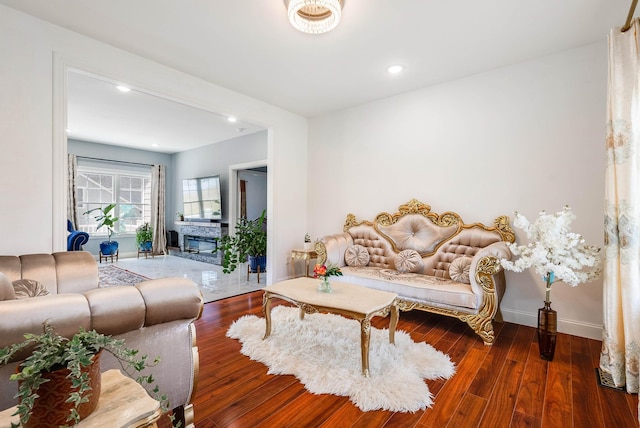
123,402
301,254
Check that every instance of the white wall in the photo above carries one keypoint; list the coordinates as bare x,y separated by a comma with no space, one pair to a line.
35,56
526,137
214,159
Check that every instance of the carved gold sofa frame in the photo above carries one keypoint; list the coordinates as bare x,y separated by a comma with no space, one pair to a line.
439,239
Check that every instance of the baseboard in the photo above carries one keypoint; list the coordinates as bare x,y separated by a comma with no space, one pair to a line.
573,327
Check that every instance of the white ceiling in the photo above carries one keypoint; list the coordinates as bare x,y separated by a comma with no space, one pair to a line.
98,112
248,45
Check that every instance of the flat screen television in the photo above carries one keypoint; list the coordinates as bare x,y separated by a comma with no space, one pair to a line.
201,197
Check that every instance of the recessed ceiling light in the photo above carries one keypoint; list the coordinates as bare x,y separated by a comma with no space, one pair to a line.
395,69
232,119
155,145
123,88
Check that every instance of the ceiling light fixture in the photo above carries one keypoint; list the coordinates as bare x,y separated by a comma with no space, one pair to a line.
314,16
232,119
395,69
123,88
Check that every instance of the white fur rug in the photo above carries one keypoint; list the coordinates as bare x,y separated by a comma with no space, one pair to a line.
323,352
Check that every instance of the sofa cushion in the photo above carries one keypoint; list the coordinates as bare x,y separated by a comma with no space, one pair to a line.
417,232
65,312
408,261
6,288
356,255
26,288
459,269
439,292
169,299
116,310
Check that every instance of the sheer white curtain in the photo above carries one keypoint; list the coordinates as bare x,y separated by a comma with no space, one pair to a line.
158,190
72,171
620,354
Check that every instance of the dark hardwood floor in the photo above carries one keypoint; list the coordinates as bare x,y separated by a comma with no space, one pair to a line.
504,385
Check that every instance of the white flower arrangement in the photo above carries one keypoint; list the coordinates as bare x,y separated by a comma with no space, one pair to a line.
555,253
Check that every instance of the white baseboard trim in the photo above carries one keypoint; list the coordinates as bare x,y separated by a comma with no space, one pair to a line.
575,328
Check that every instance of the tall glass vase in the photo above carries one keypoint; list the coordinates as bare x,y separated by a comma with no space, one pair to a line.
547,331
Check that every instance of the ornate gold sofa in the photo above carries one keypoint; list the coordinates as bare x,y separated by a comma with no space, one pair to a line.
156,317
416,253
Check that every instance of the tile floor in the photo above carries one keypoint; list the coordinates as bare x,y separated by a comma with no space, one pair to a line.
215,284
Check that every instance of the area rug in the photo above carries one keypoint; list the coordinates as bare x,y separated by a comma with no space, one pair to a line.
323,352
110,276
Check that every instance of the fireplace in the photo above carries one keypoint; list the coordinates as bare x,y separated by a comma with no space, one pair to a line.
200,244
200,241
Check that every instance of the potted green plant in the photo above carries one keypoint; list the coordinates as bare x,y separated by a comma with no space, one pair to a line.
107,219
249,241
307,242
144,237
53,360
180,216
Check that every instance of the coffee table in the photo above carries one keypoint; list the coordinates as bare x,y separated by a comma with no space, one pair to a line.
349,300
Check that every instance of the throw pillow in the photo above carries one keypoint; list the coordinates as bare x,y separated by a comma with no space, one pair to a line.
408,261
356,256
6,288
25,288
459,269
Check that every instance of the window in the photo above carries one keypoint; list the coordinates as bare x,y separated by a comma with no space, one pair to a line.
99,187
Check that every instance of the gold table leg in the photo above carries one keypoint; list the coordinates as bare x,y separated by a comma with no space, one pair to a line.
266,309
393,322
365,335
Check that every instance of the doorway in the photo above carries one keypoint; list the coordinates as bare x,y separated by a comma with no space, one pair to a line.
251,200
252,192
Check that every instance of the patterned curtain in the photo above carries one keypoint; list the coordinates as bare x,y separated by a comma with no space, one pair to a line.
72,169
620,355
158,189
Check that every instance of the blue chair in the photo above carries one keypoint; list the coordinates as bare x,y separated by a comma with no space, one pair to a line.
76,238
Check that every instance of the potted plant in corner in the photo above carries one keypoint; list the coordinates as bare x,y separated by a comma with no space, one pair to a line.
59,382
144,237
249,241
105,218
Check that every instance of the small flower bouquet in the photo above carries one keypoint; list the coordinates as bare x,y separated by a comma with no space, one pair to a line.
324,271
555,253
